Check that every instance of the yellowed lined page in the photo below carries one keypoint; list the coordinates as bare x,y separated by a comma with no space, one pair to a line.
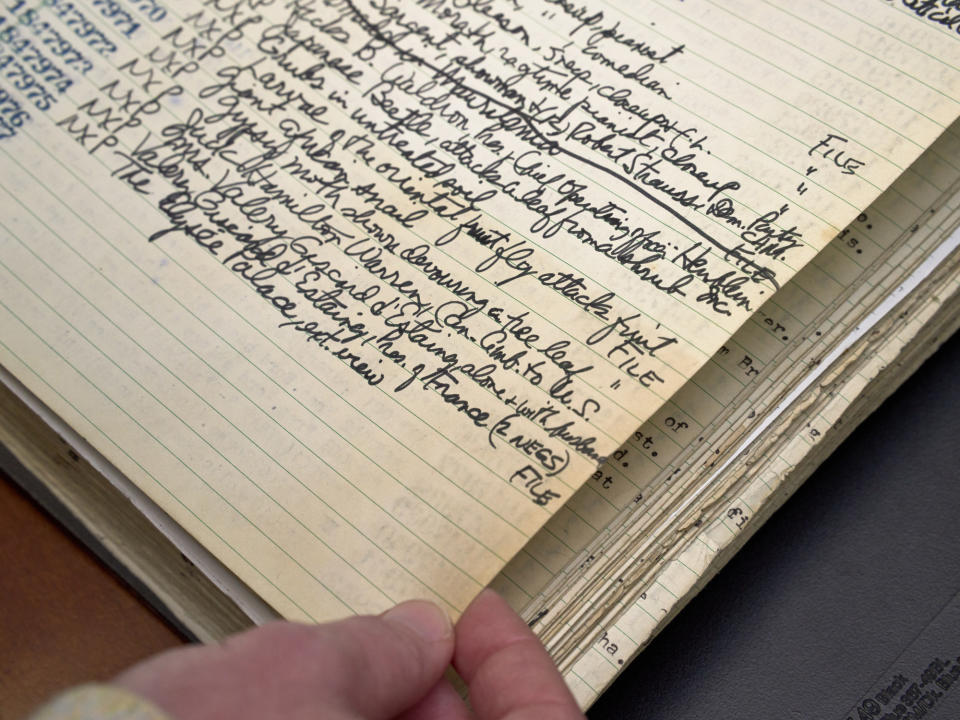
755,367
606,657
360,293
873,254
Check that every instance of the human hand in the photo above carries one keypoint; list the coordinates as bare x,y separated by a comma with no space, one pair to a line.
364,668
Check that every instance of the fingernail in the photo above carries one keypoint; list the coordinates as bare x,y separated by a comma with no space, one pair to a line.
427,620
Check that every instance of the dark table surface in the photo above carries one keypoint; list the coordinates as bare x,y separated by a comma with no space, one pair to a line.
851,589
65,618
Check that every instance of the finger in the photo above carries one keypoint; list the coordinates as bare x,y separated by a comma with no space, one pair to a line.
373,667
443,702
509,672
362,667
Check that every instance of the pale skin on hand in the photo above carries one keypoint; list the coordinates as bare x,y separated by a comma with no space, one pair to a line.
365,668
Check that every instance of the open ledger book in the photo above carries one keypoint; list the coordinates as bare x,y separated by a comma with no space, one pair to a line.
359,301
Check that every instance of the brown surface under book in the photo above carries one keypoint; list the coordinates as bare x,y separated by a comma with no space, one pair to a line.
64,617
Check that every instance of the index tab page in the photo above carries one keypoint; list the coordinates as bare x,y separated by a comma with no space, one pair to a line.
361,291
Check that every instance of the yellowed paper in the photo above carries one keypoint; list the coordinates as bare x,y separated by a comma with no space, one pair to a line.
361,292
760,363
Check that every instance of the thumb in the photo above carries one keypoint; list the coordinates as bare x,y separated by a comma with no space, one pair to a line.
363,667
386,664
